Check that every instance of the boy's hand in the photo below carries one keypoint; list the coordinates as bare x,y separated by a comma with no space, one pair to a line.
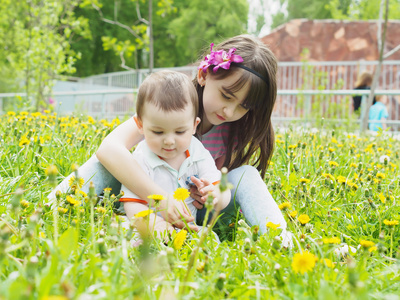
175,212
200,192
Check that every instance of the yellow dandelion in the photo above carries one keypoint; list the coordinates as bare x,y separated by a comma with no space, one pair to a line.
42,235
101,210
372,249
333,140
108,189
24,203
303,262
293,214
327,262
304,219
330,149
336,209
292,146
144,213
180,239
51,170
332,240
11,113
75,184
353,165
304,180
382,198
366,244
327,175
273,225
333,163
24,141
284,205
391,223
156,197
71,200
341,179
352,146
181,194
380,175
340,145
62,210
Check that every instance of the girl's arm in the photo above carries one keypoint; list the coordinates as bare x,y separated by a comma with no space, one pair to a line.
115,156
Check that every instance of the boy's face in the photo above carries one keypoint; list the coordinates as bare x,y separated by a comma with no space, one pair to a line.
168,134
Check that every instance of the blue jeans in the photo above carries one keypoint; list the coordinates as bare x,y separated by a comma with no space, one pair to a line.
250,194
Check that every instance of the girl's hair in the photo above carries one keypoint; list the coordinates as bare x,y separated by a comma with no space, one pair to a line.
253,133
168,90
365,79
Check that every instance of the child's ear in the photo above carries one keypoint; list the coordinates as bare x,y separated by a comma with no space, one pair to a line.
139,124
201,77
196,123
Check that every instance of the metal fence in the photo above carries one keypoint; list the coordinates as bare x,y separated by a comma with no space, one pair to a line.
329,75
306,106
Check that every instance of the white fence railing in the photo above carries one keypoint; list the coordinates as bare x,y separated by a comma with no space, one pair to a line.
291,105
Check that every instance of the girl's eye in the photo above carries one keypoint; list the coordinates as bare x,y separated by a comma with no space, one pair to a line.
225,96
244,106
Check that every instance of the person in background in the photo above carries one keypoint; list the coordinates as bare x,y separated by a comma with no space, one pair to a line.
378,112
363,82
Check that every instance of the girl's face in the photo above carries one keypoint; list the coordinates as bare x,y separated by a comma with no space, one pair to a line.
221,104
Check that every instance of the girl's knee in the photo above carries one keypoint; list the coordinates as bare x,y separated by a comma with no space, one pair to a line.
243,176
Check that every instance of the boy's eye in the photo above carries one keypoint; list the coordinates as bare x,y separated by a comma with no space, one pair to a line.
181,132
157,132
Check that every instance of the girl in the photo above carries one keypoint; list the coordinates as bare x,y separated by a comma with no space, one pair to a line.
236,85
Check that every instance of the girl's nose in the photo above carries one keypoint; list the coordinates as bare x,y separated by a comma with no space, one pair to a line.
228,111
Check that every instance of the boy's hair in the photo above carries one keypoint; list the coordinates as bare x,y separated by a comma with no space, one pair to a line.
365,79
167,90
253,132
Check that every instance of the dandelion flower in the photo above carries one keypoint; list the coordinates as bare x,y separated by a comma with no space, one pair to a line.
42,235
293,214
292,146
303,262
304,219
335,209
332,240
284,205
101,210
372,249
327,262
75,184
367,244
391,223
381,175
341,179
304,180
24,203
144,213
333,164
273,225
327,175
71,200
180,239
181,194
382,198
62,210
156,197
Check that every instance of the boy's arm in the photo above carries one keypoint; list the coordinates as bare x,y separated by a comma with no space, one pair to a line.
133,208
114,155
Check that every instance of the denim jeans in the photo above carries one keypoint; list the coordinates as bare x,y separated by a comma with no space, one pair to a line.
250,194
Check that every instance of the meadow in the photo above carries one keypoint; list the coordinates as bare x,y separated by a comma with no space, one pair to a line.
338,191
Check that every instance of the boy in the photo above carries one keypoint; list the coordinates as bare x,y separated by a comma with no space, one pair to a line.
166,114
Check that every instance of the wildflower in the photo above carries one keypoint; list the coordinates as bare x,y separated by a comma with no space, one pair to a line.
75,184
372,249
327,262
333,164
327,175
382,198
391,223
62,210
181,194
352,184
144,213
272,225
24,141
335,209
333,240
157,198
108,189
292,146
303,262
352,146
84,195
42,235
380,175
380,149
334,140
367,244
293,214
71,200
284,205
304,180
101,210
330,149
304,219
180,239
24,203
341,179
353,165
11,113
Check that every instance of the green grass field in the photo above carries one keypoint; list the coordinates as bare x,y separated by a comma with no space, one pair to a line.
339,193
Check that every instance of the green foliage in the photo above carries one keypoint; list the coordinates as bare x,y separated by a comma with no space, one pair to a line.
35,47
348,185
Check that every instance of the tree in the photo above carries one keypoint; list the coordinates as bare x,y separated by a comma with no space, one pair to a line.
35,39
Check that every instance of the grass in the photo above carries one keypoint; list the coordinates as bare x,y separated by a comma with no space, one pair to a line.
341,181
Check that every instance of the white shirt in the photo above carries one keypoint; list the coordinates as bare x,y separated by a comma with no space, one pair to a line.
198,162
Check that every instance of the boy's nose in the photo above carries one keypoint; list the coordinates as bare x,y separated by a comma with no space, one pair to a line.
169,140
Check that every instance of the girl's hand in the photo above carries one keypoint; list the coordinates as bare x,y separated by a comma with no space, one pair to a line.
175,212
200,192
